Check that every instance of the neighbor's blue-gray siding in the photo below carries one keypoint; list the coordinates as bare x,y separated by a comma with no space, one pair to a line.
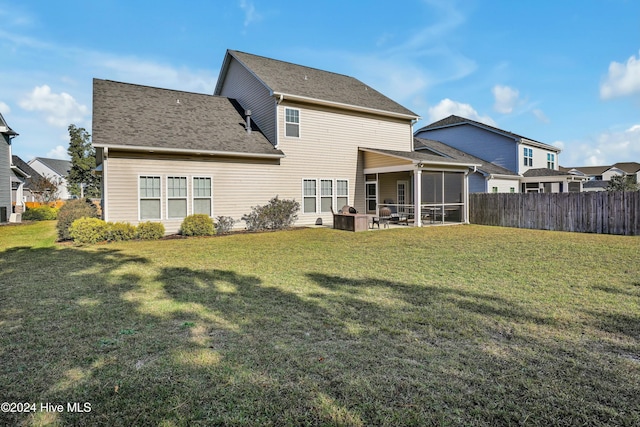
481,143
477,183
5,174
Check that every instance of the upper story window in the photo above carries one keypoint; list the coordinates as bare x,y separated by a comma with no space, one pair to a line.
528,156
551,161
292,122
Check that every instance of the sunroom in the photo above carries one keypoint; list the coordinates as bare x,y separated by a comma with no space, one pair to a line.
409,182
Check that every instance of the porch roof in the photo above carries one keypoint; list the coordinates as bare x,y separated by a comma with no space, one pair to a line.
410,160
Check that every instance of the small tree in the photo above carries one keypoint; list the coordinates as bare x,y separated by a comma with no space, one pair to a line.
82,181
45,189
622,183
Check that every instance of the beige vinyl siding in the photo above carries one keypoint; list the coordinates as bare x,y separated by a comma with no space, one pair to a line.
388,185
504,185
328,148
375,160
236,185
243,86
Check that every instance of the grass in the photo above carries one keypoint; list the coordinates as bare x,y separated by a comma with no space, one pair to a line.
464,325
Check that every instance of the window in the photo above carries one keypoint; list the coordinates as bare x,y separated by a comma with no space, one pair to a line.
512,189
149,197
323,194
176,197
528,157
326,195
342,193
202,195
309,195
292,122
551,161
494,189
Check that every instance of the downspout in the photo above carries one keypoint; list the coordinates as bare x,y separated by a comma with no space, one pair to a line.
105,191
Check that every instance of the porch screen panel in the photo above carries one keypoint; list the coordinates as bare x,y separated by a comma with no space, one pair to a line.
453,187
149,197
326,195
431,187
309,195
342,193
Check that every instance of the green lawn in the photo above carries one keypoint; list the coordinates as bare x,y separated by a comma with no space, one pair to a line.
463,325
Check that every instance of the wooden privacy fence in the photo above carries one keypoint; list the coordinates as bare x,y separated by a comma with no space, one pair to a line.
603,212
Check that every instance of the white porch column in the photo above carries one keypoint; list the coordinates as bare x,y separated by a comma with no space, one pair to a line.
417,197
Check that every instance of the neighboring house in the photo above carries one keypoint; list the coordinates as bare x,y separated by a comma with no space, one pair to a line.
486,178
23,183
599,176
55,169
534,162
270,128
6,174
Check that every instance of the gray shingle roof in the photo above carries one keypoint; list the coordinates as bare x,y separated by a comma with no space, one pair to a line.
595,184
441,148
543,172
628,167
129,115
61,167
587,170
287,78
24,167
454,120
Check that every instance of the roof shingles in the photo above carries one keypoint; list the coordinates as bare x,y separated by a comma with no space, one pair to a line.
287,78
129,115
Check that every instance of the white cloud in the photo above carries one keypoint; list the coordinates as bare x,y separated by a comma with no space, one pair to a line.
447,107
506,98
61,109
58,153
622,80
540,115
250,14
606,148
4,108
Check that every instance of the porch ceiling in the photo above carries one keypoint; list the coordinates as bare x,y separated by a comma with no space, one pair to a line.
381,161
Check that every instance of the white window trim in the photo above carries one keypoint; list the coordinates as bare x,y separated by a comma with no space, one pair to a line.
149,198
318,196
299,123
193,192
167,198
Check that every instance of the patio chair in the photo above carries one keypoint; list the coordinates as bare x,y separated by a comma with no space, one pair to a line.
395,217
384,217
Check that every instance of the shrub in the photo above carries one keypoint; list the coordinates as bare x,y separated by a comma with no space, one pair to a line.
150,230
121,231
89,230
224,224
275,215
41,213
197,225
72,210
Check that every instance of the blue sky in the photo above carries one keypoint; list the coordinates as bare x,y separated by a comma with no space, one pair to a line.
565,73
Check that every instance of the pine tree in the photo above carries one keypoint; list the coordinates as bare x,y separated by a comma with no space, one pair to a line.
83,164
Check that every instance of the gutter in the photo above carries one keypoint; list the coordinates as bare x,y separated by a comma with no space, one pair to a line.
281,96
189,151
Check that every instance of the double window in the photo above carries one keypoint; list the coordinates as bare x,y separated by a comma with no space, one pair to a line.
176,190
319,195
551,161
528,156
292,122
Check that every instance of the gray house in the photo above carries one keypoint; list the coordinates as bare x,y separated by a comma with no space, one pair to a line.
6,135
53,169
536,163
